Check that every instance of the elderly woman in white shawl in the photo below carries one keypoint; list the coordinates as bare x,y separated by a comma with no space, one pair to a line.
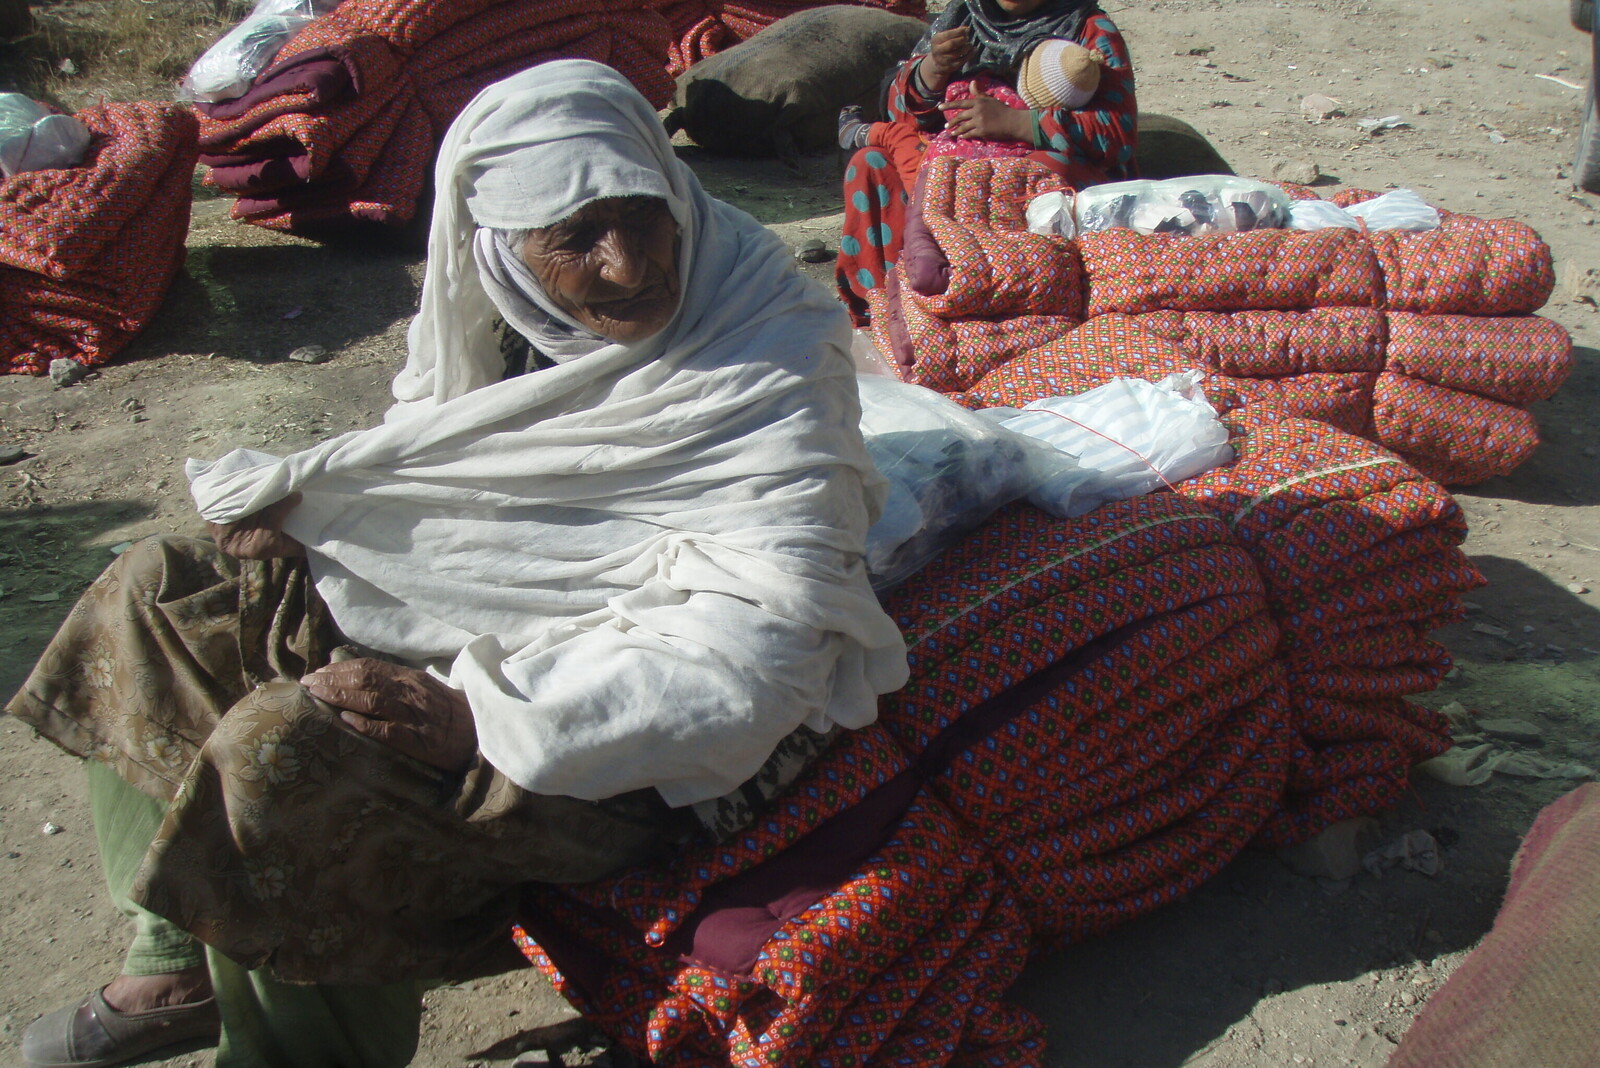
538,627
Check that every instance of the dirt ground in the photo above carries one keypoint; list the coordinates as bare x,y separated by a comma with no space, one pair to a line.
1262,966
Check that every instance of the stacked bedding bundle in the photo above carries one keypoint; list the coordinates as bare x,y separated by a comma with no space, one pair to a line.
1100,702
1424,342
87,252
1358,551
702,28
1101,713
345,122
1361,560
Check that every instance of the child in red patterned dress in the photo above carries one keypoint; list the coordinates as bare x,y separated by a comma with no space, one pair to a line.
959,92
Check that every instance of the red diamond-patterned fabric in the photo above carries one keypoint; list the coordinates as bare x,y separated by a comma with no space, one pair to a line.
1102,711
87,253
1423,342
1516,359
1467,266
300,159
975,210
1278,269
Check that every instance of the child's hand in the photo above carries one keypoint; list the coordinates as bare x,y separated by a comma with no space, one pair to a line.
949,52
988,118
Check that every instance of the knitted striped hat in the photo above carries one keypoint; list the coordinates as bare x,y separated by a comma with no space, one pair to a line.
1059,74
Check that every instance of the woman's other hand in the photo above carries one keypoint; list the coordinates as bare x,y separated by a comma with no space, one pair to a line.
947,54
988,118
401,707
258,536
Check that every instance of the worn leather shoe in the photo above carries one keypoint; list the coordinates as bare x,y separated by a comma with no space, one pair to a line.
91,1034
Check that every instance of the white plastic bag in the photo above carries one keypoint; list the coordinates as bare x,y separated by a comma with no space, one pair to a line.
1201,204
1320,215
35,139
948,469
1399,209
228,68
869,360
1128,437
1051,213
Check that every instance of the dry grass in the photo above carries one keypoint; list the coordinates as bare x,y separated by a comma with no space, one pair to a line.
85,50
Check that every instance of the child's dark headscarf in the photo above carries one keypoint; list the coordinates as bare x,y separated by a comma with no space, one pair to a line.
1000,41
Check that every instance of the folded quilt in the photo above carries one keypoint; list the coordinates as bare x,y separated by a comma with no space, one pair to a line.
87,253
702,28
1424,342
345,123
997,267
1468,265
1289,270
1359,555
1450,434
1102,711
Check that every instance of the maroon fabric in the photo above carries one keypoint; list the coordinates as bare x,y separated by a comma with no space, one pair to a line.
273,172
320,78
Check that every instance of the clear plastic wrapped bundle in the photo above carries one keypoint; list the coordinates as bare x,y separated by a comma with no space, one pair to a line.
1201,204
227,69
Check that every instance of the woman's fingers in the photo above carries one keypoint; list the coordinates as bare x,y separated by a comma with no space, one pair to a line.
401,707
362,685
401,737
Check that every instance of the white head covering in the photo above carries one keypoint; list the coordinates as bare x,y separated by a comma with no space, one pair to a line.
644,565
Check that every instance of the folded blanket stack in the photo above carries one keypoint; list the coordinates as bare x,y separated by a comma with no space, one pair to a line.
702,28
1100,699
345,122
1361,560
1424,342
1096,722
87,252
1358,550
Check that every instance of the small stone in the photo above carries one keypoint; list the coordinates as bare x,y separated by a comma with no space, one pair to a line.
1298,171
1490,629
50,828
121,547
138,417
10,454
1407,998
66,372
67,67
813,251
1334,854
1512,730
311,354
1577,587
1319,107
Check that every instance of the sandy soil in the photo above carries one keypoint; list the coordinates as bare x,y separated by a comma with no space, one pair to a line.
1261,967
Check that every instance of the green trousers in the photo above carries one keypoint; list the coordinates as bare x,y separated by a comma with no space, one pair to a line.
265,1023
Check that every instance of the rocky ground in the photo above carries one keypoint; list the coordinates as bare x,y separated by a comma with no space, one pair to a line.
1262,967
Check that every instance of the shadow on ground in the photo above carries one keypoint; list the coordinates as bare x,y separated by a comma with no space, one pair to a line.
1570,442
49,556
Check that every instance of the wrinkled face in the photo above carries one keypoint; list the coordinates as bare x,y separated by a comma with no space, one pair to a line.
1018,8
612,265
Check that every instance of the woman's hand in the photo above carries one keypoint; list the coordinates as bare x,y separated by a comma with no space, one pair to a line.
401,707
947,54
258,535
988,118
